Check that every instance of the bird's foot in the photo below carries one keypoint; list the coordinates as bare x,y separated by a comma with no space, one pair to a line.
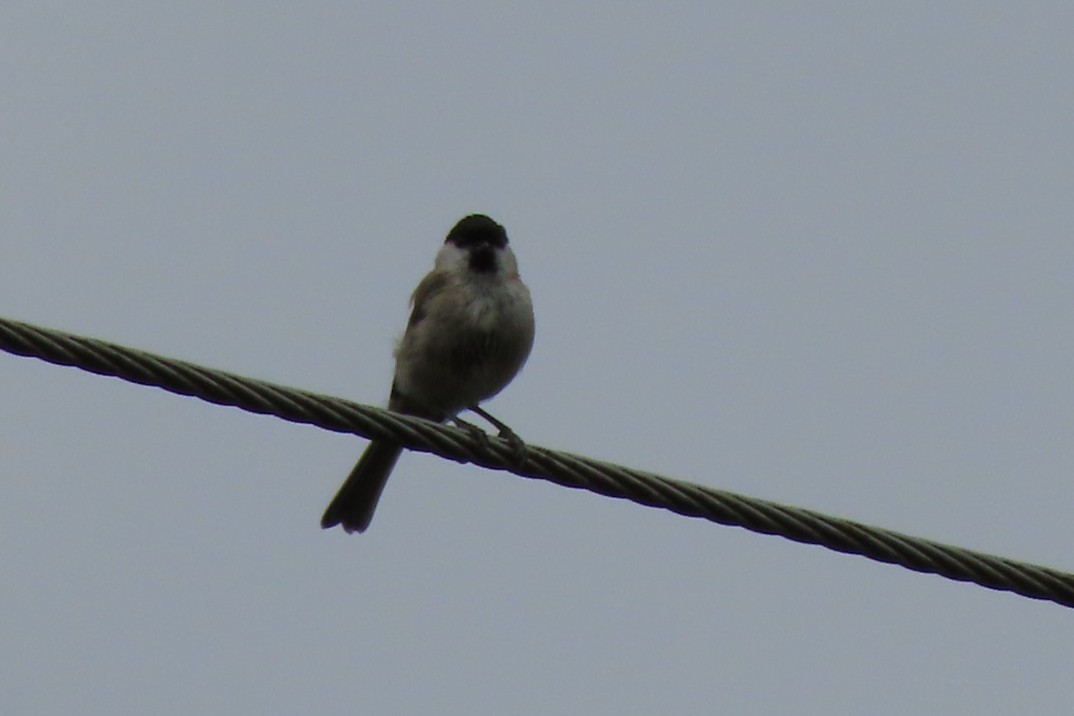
519,451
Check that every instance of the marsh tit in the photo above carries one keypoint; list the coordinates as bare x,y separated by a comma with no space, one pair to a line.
470,331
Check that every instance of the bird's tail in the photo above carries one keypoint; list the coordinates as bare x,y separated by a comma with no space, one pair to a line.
356,500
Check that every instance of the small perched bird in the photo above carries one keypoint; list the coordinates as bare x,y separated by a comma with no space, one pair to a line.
470,331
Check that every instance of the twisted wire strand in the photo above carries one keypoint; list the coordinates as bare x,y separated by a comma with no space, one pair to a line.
564,469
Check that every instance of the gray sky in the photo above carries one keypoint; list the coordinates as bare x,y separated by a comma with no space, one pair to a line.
818,253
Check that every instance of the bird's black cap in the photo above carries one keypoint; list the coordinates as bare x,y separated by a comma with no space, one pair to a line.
477,229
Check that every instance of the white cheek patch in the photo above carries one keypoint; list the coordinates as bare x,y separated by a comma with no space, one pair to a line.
451,258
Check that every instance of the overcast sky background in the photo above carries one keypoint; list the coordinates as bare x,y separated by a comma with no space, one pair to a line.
818,253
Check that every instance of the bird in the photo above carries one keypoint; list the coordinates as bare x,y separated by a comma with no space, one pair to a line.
470,331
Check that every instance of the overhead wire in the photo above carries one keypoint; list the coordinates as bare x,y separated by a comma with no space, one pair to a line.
561,468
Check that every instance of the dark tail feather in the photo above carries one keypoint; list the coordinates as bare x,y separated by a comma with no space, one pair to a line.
356,500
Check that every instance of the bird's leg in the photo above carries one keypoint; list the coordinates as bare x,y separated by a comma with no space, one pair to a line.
475,432
518,447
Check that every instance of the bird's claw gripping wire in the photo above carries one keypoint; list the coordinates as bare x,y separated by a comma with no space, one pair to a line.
519,451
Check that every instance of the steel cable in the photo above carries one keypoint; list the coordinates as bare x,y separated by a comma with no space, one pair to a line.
561,468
